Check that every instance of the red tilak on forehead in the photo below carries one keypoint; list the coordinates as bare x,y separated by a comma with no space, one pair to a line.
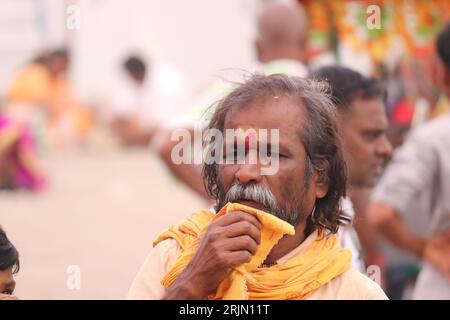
249,140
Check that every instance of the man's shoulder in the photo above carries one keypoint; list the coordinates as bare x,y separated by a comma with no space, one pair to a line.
159,261
350,285
357,278
433,130
167,246
362,286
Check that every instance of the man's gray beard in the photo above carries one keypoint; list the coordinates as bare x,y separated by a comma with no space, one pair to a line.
293,214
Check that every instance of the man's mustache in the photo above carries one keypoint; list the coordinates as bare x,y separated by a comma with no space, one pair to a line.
252,192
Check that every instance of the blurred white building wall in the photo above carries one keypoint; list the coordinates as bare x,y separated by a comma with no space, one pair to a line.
200,37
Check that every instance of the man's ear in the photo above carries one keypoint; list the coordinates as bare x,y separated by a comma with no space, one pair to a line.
321,185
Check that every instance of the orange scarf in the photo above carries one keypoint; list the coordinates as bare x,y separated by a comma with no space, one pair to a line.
322,261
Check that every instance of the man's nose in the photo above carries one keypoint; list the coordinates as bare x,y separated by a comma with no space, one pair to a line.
248,172
384,147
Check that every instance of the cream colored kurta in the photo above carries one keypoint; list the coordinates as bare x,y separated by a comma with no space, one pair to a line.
351,285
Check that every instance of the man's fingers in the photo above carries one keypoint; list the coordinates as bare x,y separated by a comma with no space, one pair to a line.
243,228
239,257
237,216
242,243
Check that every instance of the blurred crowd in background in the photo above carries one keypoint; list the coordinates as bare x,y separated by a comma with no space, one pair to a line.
40,111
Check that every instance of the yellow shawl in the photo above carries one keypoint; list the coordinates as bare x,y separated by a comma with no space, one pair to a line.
322,261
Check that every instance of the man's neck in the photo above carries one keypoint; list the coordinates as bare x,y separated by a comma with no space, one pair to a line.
286,245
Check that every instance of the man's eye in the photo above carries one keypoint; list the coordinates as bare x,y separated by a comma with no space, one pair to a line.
372,135
8,292
277,155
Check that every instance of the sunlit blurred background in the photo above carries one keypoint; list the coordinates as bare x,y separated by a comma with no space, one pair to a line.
90,190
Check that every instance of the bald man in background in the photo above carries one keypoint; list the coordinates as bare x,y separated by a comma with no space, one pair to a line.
280,47
281,42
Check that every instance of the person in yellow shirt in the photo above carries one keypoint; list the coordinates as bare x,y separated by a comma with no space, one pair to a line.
271,233
32,83
44,83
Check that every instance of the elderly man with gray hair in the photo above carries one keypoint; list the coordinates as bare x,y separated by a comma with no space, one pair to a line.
270,236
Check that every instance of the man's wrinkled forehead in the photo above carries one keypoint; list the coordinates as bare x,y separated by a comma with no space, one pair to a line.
277,113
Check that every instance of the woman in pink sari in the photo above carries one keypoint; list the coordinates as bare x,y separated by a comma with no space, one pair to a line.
18,165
